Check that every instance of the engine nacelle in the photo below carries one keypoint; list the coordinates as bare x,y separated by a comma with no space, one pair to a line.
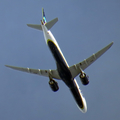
53,85
84,79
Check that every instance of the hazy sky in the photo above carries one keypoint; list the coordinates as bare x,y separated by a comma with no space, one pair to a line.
84,27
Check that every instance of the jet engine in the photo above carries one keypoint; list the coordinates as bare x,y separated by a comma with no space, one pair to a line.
53,85
84,79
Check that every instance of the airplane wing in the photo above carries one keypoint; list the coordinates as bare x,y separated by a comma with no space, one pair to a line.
46,73
75,69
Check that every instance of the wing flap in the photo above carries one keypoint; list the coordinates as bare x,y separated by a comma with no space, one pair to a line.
46,73
75,69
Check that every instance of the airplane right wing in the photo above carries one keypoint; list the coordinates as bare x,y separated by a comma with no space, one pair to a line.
46,73
76,69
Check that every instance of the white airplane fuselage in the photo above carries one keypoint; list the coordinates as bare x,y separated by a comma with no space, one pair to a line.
62,68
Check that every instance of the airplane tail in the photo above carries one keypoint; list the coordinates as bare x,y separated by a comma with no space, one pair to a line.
47,24
43,16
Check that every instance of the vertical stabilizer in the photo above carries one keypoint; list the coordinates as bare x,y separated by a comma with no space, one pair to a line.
43,16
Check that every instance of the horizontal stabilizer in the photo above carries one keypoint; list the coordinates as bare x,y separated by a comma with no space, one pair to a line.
48,25
51,23
35,26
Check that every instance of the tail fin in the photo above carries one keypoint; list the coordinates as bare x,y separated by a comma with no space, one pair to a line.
47,24
43,16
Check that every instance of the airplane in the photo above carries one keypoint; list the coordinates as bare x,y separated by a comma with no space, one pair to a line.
63,72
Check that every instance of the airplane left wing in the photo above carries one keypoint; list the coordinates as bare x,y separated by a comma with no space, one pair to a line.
76,69
46,73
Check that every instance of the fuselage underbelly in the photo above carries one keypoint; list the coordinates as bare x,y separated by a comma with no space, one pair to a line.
63,69
65,73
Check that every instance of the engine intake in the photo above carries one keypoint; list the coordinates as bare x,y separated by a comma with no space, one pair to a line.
53,85
84,79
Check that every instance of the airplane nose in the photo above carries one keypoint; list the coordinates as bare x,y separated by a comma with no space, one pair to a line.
84,110
85,106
